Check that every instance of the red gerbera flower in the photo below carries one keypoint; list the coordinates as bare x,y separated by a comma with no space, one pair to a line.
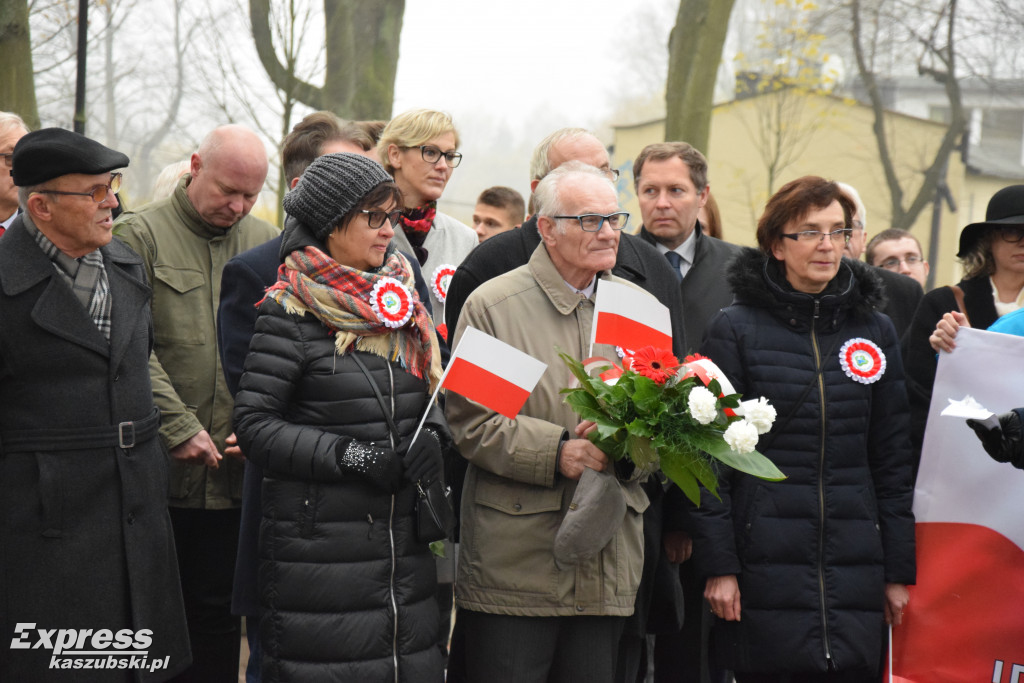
654,363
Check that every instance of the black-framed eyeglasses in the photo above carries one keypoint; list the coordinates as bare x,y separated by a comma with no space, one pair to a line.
809,236
893,263
431,154
375,217
612,173
593,222
8,159
1012,233
98,192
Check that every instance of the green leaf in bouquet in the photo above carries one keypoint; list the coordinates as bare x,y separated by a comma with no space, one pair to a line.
583,404
641,427
730,401
647,395
715,388
641,452
673,464
607,427
752,463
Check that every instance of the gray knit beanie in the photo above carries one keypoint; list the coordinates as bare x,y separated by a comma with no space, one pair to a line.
331,186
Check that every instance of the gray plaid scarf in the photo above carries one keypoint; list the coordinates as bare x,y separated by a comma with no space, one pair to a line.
86,276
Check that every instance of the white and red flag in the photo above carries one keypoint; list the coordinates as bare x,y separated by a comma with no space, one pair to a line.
965,619
630,318
489,371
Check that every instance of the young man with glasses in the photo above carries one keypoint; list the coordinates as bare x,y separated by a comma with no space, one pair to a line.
898,251
87,541
12,128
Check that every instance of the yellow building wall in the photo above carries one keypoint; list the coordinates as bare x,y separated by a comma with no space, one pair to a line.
829,137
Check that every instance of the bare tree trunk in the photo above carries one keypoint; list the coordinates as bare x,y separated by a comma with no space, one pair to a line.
695,50
943,48
17,87
362,57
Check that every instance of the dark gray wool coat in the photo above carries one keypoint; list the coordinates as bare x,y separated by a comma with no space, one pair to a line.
85,538
813,552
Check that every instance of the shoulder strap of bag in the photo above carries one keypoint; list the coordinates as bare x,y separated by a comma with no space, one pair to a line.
380,398
958,294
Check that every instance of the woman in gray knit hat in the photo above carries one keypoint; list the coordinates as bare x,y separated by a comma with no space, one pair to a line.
339,373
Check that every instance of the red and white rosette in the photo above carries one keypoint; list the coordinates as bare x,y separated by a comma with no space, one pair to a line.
862,360
440,280
392,302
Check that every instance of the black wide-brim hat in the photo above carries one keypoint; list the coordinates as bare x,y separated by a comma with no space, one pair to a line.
1005,208
52,152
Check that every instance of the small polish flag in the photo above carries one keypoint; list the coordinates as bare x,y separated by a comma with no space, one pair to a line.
630,318
492,373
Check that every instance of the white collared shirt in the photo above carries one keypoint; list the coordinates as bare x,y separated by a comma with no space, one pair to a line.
687,251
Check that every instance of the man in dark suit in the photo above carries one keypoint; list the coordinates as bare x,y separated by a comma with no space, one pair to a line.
243,282
85,533
671,182
637,262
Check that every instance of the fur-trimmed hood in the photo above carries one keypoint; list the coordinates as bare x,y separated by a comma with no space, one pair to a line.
758,280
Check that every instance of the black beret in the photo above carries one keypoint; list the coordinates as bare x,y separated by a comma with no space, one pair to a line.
52,152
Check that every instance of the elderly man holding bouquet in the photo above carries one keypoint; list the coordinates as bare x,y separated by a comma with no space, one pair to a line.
529,617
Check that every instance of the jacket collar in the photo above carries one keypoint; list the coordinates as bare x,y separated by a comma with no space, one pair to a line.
23,265
552,283
191,218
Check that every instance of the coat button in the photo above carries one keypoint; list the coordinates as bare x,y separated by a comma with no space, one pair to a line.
131,518
517,507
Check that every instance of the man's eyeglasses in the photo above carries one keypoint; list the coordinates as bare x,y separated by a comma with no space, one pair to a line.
593,222
612,173
894,262
810,236
1012,233
8,158
431,154
376,218
98,192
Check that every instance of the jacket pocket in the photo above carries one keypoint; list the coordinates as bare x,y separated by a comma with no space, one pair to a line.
51,495
629,542
177,300
513,530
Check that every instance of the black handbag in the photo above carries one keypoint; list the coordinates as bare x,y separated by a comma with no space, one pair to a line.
435,516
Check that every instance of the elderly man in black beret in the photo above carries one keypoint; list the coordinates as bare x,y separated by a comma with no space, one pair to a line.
88,576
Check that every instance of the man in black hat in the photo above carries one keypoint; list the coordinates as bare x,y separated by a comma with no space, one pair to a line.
88,576
992,254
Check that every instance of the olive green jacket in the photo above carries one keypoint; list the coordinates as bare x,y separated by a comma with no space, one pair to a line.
184,257
513,499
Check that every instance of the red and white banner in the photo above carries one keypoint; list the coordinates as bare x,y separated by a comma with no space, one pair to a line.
965,619
492,373
630,318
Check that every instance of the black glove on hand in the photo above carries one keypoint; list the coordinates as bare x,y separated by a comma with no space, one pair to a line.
423,460
1004,443
380,466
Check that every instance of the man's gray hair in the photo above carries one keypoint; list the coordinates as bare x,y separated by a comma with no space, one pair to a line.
547,197
851,192
540,164
10,121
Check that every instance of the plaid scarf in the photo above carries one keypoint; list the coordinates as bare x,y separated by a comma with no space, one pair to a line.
339,297
87,277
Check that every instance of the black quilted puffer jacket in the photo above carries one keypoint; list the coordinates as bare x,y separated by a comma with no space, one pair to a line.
346,589
812,553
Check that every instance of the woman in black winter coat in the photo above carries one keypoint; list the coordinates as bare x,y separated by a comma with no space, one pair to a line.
346,589
804,573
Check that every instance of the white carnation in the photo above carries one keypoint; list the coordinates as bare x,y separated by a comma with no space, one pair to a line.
741,436
759,413
701,404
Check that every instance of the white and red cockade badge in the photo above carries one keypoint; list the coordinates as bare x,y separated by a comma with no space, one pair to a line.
862,360
440,280
392,302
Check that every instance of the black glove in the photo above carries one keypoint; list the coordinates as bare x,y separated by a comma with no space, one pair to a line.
423,460
378,465
1004,443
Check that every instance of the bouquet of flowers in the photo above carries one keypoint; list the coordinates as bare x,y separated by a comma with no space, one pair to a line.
660,413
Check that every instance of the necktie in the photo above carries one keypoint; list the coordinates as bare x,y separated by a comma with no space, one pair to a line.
675,260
